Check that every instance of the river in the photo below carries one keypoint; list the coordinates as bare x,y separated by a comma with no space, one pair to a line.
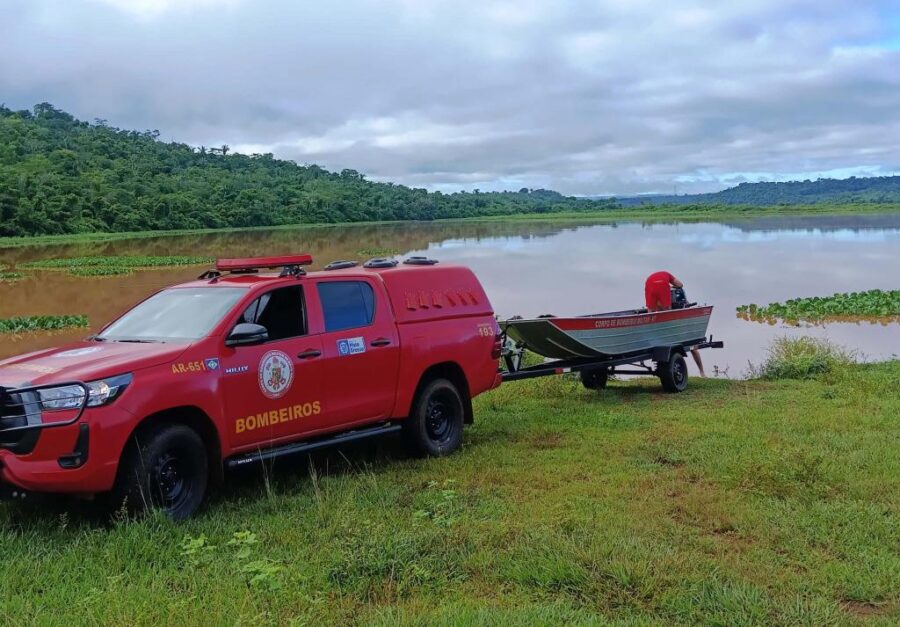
541,267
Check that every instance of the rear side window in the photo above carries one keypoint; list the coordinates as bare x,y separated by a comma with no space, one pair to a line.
347,304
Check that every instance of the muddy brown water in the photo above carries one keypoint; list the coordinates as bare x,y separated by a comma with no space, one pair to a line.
532,268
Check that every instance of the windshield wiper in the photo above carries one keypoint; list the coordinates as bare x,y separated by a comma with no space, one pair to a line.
135,341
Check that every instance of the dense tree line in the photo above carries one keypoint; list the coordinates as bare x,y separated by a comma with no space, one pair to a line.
876,189
853,190
62,175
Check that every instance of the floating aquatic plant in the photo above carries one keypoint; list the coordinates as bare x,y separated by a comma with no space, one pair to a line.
101,270
24,324
8,275
114,265
378,251
121,261
872,305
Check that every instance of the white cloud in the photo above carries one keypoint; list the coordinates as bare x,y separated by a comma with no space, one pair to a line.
582,96
148,9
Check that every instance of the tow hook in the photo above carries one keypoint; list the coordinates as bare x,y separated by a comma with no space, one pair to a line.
11,493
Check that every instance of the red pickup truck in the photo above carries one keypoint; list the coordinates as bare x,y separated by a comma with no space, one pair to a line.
243,366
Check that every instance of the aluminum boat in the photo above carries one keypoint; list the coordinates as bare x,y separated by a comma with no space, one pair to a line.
609,334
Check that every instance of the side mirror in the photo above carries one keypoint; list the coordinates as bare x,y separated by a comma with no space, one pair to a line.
245,334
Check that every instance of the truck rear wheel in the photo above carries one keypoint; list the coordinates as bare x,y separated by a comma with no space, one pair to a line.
165,468
435,425
673,374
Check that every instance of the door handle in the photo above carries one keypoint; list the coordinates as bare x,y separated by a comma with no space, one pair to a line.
382,341
310,354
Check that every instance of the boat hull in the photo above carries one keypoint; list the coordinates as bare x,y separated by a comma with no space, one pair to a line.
611,334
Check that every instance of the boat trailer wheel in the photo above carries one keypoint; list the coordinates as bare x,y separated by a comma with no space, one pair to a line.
673,374
594,378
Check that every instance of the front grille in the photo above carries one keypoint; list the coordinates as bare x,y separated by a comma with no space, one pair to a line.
18,410
21,418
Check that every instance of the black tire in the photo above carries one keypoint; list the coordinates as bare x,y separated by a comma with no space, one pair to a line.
673,374
434,427
164,468
594,378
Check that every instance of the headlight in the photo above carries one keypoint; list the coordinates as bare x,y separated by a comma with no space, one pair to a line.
72,396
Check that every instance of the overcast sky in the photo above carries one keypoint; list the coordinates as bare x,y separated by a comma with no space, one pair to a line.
609,96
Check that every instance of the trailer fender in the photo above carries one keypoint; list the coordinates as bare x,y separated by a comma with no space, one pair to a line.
661,354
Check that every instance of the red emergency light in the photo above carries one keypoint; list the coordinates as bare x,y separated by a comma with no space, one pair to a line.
253,263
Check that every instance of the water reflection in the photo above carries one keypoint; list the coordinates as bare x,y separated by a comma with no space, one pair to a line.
531,268
821,224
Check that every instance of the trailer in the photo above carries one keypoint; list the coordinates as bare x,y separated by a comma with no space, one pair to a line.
651,343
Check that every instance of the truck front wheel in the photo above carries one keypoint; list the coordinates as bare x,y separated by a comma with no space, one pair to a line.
165,468
435,426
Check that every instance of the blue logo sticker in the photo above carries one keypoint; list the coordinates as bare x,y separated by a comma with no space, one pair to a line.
212,363
357,345
351,346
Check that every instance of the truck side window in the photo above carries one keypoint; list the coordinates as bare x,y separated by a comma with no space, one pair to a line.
281,311
347,304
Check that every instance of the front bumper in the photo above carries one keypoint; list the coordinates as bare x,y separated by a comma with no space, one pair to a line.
74,452
65,460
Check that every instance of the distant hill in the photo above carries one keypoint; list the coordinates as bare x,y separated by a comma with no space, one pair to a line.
62,175
880,189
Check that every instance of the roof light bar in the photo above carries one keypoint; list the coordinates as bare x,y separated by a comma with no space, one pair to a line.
252,263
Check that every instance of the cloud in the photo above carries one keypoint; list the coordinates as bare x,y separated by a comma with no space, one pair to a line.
582,96
149,9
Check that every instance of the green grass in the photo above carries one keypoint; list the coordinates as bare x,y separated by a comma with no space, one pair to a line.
27,324
734,503
870,305
802,358
649,213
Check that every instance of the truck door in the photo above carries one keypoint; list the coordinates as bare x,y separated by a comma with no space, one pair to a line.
273,391
360,345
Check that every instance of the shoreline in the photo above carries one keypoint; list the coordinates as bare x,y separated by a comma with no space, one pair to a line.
654,213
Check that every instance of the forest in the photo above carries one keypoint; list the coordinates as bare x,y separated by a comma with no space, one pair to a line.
853,190
61,175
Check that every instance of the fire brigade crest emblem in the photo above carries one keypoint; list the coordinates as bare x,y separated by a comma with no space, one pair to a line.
276,373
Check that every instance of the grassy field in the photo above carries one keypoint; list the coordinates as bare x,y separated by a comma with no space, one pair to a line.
665,212
735,503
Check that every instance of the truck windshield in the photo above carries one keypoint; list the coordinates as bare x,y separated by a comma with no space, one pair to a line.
174,314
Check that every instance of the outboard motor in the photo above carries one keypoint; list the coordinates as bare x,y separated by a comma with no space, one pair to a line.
679,299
